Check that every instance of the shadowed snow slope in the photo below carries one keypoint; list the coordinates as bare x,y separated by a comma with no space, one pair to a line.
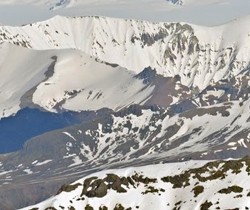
66,79
133,136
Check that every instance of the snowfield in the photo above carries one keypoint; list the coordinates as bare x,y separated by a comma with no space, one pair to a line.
186,185
65,77
204,54
200,56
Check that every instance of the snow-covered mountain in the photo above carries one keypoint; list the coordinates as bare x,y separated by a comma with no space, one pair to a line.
132,137
50,4
176,2
161,92
74,64
204,12
198,2
186,185
59,4
66,79
202,58
199,55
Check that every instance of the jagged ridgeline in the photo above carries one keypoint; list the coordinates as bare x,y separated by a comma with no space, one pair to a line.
152,92
211,64
178,47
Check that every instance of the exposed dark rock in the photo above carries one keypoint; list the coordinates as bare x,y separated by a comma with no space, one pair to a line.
68,188
198,190
206,205
235,189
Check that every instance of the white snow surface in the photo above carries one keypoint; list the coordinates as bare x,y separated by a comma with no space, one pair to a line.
20,74
83,45
224,50
82,81
167,196
97,85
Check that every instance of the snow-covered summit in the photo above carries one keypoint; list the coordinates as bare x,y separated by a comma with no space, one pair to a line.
197,2
205,12
50,4
176,2
64,79
199,55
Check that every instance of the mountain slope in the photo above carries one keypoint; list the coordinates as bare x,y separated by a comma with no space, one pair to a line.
199,55
186,185
54,4
205,12
55,80
176,2
198,58
133,136
191,81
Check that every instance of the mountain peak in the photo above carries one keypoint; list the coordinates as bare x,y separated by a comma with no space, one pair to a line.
61,4
175,2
